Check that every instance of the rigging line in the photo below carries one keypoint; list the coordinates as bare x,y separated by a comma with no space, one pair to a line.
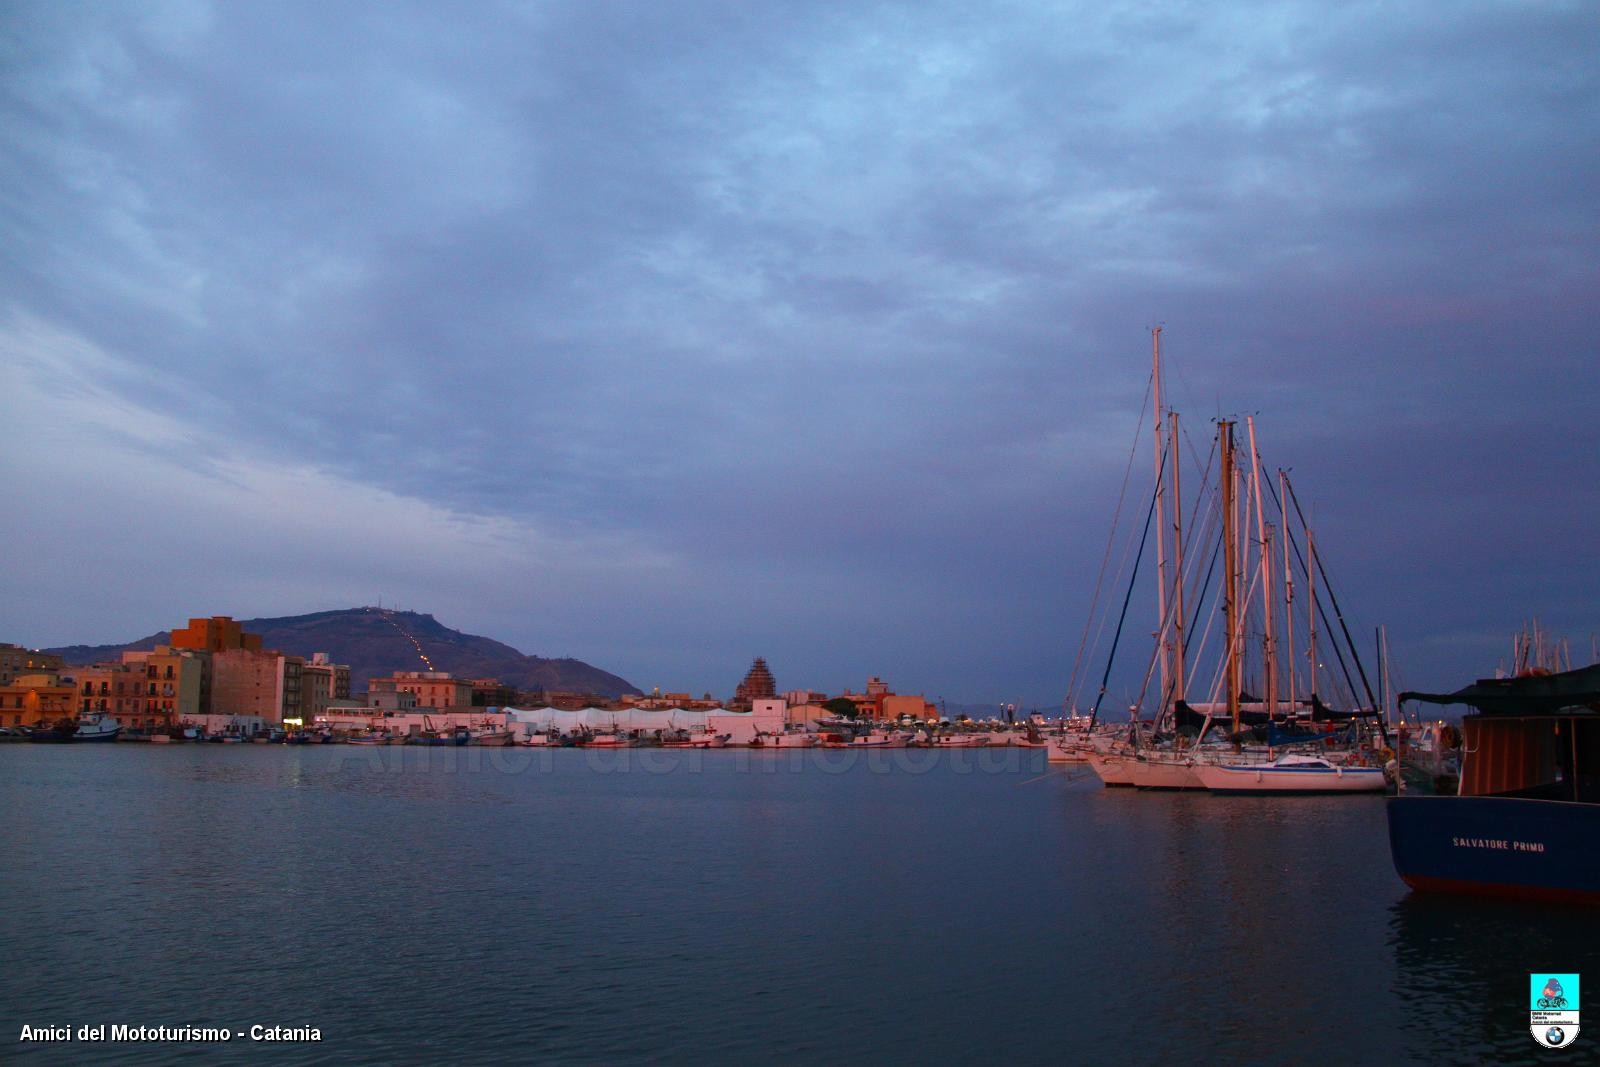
1200,602
1104,621
1338,613
1111,537
1171,617
1322,611
1111,657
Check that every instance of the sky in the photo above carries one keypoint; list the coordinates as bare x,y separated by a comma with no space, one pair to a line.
665,336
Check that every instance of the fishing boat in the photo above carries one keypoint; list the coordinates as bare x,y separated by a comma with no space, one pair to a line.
694,739
1525,821
785,739
373,738
58,732
446,737
491,738
97,726
878,739
605,741
960,741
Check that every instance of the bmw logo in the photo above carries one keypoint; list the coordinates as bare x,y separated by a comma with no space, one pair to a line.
1555,1036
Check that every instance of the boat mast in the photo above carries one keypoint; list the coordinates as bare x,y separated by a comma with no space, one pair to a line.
1178,691
1264,538
1288,595
1230,553
1311,606
1383,668
1161,532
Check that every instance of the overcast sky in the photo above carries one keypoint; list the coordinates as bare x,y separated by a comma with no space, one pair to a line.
666,335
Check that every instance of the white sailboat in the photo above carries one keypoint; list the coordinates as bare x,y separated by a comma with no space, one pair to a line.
1248,543
1292,774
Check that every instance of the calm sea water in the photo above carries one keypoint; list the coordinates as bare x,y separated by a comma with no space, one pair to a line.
476,906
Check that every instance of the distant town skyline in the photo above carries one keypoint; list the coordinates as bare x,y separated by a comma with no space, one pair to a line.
666,337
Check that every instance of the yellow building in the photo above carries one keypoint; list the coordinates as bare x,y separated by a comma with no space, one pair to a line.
37,700
172,683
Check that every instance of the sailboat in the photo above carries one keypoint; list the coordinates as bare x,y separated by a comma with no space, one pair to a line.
1219,756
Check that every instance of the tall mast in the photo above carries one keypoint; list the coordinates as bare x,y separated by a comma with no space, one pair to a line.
1177,561
1383,666
1269,682
1230,566
1288,596
1311,606
1161,526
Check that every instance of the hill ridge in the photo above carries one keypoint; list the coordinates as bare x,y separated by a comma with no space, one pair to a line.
379,641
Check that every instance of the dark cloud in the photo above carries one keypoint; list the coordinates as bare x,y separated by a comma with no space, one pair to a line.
818,333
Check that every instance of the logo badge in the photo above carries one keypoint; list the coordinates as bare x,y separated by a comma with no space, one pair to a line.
1553,1009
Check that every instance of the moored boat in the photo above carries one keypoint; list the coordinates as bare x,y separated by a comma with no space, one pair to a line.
1526,820
1290,774
605,741
960,741
491,738
58,732
97,726
694,739
787,739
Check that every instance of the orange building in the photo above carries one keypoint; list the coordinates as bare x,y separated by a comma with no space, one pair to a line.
433,689
173,683
37,700
114,688
216,634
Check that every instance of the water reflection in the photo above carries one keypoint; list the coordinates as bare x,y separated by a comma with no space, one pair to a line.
1462,967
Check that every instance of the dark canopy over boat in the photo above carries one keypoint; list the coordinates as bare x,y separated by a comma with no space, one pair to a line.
1528,694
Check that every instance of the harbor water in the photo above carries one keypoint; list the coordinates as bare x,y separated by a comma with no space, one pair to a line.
491,905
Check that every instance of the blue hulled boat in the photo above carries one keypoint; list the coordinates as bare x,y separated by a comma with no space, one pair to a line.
1526,820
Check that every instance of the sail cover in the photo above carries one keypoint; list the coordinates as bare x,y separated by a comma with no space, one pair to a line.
1528,694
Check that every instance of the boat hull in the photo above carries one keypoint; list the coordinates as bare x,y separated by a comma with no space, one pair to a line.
1063,752
1112,770
498,739
1268,778
1162,774
1497,846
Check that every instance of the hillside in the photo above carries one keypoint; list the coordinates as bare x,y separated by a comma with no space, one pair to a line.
376,642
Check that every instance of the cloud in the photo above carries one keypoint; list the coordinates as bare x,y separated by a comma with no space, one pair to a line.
839,307
194,519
